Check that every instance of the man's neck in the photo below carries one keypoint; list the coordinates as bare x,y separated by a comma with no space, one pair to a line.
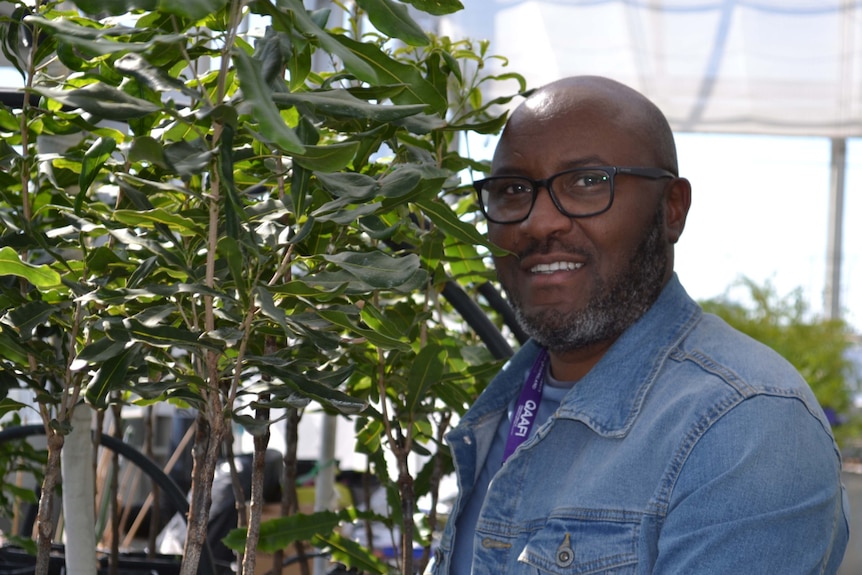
573,365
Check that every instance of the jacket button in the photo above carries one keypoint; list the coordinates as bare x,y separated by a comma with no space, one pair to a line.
565,554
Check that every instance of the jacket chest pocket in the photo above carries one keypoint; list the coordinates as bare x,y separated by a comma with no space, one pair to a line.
576,545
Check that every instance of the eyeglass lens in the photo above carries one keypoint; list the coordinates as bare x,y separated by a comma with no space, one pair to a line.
577,192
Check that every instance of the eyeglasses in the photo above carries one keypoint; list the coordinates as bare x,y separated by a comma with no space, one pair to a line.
577,193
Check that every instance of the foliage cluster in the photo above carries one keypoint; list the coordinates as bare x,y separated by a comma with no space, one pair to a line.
816,347
241,222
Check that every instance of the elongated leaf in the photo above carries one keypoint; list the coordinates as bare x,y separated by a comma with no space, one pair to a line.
294,381
444,218
341,319
437,7
381,322
10,406
403,181
102,349
174,221
376,268
94,158
116,296
165,336
114,7
102,100
426,370
11,350
272,311
257,94
302,289
303,21
350,553
329,158
40,276
344,104
149,75
394,20
194,10
355,186
111,375
278,533
417,90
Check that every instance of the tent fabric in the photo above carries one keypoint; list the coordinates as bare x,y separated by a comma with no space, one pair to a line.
784,67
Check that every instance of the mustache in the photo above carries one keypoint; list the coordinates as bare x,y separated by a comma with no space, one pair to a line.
551,245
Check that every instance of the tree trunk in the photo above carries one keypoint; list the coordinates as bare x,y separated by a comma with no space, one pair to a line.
257,480
205,456
79,495
45,515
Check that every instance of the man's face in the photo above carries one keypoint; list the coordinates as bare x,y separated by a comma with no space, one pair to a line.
579,282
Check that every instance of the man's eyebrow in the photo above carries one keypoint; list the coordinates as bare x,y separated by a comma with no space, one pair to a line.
582,162
585,161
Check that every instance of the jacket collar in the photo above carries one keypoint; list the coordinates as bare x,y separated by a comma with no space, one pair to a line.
608,399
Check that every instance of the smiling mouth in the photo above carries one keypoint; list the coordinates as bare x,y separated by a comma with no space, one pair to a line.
555,267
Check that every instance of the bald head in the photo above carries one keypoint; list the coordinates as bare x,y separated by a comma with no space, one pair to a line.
619,107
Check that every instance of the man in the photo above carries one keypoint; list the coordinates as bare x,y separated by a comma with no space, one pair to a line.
633,433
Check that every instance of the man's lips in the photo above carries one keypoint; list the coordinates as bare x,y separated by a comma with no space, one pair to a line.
554,266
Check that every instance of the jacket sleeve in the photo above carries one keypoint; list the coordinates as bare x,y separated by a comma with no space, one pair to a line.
760,492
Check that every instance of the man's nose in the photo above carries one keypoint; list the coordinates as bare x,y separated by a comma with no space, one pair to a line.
545,218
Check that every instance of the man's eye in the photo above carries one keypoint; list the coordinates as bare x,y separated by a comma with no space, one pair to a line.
509,187
591,180
516,189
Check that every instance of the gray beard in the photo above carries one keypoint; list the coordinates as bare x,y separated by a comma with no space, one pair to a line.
615,305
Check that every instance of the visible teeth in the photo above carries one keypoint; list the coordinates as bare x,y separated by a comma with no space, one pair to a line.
555,267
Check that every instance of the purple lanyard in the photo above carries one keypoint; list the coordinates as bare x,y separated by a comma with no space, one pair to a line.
527,406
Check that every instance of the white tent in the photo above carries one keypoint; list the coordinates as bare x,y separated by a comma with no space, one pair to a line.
791,67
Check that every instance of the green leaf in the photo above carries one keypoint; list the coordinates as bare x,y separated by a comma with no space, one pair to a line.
102,100
114,7
416,89
278,533
101,350
148,149
301,20
350,553
164,336
357,187
94,158
445,219
258,95
151,76
377,269
394,20
192,9
437,7
10,406
344,104
426,370
11,350
40,276
111,375
406,179
329,158
343,320
148,218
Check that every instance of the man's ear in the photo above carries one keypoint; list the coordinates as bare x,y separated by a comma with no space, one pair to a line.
677,203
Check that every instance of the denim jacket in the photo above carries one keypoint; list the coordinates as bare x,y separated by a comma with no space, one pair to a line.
689,448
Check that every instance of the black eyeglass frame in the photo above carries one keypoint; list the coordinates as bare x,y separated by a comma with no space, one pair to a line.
611,171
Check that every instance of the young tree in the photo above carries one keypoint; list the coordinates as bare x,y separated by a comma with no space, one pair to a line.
222,223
